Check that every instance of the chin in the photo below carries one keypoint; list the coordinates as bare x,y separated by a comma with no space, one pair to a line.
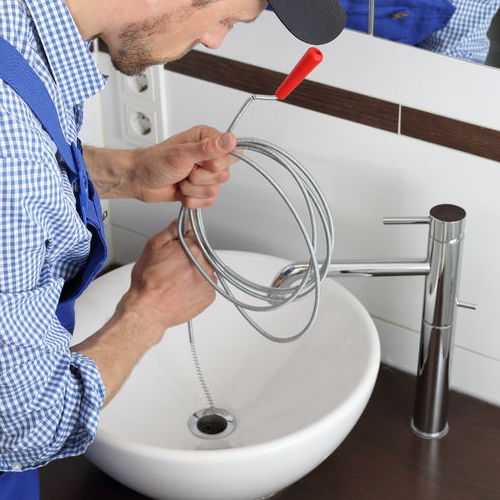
133,62
128,69
180,55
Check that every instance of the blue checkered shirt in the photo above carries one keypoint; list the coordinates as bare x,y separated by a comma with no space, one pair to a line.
466,34
50,397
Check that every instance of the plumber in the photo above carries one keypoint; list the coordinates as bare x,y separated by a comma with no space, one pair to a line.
52,238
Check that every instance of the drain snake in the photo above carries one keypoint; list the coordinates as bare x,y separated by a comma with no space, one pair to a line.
269,298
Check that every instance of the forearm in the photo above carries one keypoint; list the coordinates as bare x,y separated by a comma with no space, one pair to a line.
187,167
118,346
166,290
110,170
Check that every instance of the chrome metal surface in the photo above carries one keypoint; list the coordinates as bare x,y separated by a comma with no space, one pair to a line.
446,233
295,271
442,272
431,401
379,268
371,17
317,231
212,423
253,97
429,435
406,220
466,305
197,366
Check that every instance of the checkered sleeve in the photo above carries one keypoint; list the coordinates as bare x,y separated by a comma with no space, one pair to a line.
466,34
50,397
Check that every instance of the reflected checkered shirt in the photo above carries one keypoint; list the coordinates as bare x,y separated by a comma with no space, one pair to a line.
465,35
50,397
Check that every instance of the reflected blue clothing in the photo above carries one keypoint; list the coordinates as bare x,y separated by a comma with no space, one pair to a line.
50,397
466,35
457,28
405,21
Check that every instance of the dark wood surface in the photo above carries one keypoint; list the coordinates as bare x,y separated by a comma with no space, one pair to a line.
341,103
466,137
352,106
310,95
380,460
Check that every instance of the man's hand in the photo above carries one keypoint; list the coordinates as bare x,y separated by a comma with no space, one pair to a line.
166,290
188,167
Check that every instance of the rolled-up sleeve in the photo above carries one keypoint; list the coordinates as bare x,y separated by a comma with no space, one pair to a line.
50,396
50,403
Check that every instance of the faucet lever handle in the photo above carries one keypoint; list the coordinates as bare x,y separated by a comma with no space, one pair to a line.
466,305
406,220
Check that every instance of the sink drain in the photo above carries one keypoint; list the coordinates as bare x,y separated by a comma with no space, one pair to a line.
211,423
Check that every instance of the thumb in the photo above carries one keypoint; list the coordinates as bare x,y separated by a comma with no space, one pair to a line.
209,148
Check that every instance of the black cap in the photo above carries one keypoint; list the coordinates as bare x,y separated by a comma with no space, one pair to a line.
312,21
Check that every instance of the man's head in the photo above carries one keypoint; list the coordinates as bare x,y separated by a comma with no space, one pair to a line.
142,33
171,29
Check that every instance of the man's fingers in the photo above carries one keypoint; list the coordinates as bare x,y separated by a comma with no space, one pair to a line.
208,148
218,164
202,176
194,191
163,237
194,203
197,253
170,233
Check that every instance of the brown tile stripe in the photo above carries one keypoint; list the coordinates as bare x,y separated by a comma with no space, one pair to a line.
455,134
310,95
479,141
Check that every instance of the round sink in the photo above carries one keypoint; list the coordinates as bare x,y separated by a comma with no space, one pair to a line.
289,406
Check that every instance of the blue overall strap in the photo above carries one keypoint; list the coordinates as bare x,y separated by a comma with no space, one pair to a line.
17,485
20,485
16,72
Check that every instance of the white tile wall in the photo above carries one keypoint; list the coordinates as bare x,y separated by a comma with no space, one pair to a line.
366,173
92,131
127,244
379,68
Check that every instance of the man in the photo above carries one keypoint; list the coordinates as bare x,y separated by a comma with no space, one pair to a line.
51,243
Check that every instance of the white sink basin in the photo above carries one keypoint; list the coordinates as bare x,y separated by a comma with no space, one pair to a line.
293,403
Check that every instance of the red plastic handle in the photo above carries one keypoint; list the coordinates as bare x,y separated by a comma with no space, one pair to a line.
309,61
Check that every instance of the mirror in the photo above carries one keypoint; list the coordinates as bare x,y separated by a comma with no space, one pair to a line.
465,29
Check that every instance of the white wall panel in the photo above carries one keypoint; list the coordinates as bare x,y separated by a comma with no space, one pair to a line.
366,174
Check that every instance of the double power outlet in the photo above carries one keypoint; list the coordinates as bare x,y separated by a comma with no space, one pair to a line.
142,102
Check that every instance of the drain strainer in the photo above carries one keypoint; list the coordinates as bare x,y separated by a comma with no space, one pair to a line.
211,423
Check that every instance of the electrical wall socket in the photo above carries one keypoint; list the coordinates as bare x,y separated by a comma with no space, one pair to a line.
143,110
141,124
138,86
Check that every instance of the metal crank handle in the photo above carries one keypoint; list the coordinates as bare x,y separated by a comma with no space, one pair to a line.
307,63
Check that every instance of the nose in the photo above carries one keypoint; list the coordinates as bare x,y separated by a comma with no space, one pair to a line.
213,39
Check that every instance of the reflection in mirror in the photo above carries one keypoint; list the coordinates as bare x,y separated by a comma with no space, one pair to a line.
457,28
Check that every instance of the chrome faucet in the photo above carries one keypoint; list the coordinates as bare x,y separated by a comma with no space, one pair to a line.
442,271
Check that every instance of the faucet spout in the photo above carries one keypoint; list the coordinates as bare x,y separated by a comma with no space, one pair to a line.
442,272
366,268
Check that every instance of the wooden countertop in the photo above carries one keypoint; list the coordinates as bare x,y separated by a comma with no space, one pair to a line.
380,460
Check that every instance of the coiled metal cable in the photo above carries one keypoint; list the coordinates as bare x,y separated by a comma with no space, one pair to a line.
270,298
316,205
